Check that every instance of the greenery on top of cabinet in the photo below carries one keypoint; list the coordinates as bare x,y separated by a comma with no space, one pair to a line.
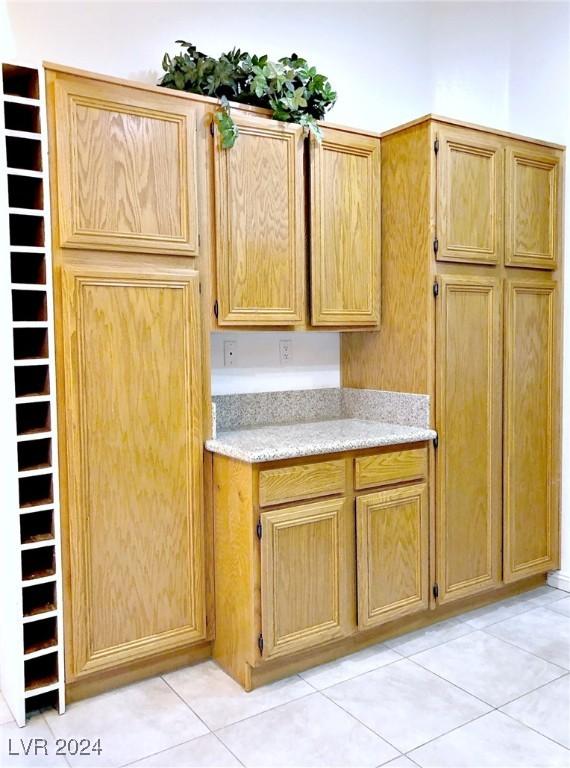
293,91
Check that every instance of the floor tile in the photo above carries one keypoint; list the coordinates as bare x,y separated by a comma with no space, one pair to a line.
546,710
561,606
310,732
491,614
14,740
492,741
428,637
540,631
132,722
487,667
5,714
393,701
339,670
220,701
400,762
203,752
544,595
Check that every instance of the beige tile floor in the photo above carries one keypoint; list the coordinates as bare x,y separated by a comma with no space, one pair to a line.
489,688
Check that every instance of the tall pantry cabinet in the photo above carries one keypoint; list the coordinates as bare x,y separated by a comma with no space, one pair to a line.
130,343
471,223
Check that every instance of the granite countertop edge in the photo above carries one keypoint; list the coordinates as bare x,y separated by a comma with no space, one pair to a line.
227,443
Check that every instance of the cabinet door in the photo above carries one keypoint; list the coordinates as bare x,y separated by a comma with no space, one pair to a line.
470,183
531,502
260,238
392,554
533,208
345,232
468,418
126,168
307,576
133,463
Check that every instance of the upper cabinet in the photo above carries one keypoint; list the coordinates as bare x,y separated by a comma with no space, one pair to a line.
469,197
499,199
126,168
260,233
534,205
262,277
345,229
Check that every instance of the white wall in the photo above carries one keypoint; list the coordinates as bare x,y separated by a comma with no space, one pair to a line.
502,64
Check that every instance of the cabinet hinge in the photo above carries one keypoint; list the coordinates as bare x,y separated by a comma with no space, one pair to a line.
259,529
436,146
200,288
435,591
216,309
436,441
436,246
212,128
260,644
436,289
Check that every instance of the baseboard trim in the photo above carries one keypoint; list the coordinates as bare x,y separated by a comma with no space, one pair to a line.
559,579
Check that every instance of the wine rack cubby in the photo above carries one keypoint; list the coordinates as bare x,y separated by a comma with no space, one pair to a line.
31,648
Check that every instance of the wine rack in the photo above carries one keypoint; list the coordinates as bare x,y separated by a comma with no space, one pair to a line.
31,647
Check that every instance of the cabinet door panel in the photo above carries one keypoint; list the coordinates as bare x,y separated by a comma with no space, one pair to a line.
392,554
126,169
531,404
468,417
260,225
133,464
533,209
307,579
345,233
470,183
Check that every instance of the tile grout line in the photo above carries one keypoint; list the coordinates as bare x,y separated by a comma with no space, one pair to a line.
201,720
525,650
531,728
437,645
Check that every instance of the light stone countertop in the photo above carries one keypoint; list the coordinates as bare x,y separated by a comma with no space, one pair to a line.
286,441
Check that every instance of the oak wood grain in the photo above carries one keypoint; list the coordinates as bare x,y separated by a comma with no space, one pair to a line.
531,498
133,463
392,553
390,467
260,239
126,168
301,481
345,230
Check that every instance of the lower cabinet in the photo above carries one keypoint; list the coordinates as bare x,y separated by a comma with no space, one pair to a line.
392,553
296,574
131,462
307,583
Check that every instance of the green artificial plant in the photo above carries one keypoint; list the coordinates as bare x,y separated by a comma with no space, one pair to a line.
293,91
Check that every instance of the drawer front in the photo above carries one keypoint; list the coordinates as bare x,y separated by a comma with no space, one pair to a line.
302,481
392,467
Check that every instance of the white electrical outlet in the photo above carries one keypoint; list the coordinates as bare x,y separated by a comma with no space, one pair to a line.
230,353
286,351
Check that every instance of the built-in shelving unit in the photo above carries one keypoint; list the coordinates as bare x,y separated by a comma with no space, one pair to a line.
31,641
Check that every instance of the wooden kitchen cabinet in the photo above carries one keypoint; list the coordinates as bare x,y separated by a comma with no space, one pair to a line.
531,490
533,207
301,583
345,229
469,415
392,554
480,336
132,462
470,183
126,168
307,583
260,232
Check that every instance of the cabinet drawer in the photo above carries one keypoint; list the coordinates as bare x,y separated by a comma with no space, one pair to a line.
392,467
302,481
